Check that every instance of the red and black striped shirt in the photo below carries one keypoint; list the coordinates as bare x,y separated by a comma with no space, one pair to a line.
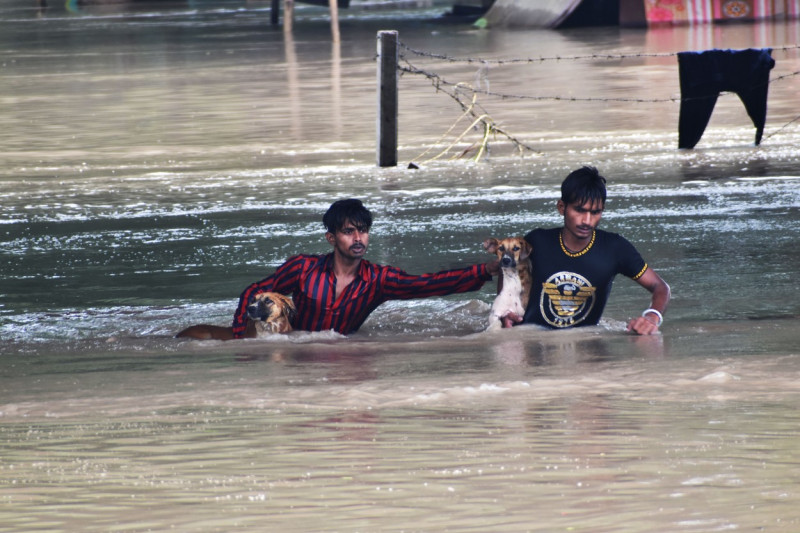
311,282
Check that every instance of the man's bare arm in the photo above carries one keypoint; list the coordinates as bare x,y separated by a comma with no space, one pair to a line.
649,322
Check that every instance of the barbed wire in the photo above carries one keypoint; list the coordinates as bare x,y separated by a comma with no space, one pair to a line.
439,82
795,119
542,59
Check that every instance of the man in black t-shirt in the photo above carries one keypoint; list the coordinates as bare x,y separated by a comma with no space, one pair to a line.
574,266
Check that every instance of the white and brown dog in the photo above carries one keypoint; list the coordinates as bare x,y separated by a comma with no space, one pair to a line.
268,312
513,253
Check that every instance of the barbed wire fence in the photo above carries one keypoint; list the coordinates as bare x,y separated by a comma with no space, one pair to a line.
466,95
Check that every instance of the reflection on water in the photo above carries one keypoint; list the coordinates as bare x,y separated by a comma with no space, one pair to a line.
342,442
157,161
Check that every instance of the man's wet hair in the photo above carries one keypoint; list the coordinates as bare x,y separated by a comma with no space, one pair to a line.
584,185
342,211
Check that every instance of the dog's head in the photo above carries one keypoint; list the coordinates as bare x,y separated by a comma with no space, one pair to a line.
510,251
271,307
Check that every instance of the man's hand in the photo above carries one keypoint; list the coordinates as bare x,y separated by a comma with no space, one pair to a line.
651,319
643,325
493,267
510,320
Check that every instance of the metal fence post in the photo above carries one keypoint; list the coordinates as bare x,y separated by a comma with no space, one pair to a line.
387,98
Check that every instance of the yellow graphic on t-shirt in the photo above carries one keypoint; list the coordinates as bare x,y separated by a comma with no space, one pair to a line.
567,298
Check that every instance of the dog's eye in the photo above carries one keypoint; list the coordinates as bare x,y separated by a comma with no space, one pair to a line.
516,248
502,248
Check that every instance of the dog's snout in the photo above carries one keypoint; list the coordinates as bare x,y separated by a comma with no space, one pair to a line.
257,311
507,261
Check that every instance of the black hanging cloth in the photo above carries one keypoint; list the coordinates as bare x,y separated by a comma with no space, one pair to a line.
703,75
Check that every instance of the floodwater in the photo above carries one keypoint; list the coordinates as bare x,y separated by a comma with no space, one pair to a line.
156,159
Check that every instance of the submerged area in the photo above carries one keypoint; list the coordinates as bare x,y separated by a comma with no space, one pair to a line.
156,162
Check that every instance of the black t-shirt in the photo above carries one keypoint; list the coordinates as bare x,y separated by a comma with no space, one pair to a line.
571,289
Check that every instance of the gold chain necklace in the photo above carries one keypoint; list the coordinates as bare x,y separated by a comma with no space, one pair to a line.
575,254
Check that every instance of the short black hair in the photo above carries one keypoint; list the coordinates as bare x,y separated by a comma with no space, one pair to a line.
342,211
583,185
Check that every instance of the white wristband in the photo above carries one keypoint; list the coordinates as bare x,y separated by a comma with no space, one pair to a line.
655,312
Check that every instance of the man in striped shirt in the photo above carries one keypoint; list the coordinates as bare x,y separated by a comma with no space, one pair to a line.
337,291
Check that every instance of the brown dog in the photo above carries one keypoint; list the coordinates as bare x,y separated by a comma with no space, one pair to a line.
269,312
272,312
515,284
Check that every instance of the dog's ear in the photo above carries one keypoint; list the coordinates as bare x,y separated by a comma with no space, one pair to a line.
526,249
284,300
490,245
289,310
